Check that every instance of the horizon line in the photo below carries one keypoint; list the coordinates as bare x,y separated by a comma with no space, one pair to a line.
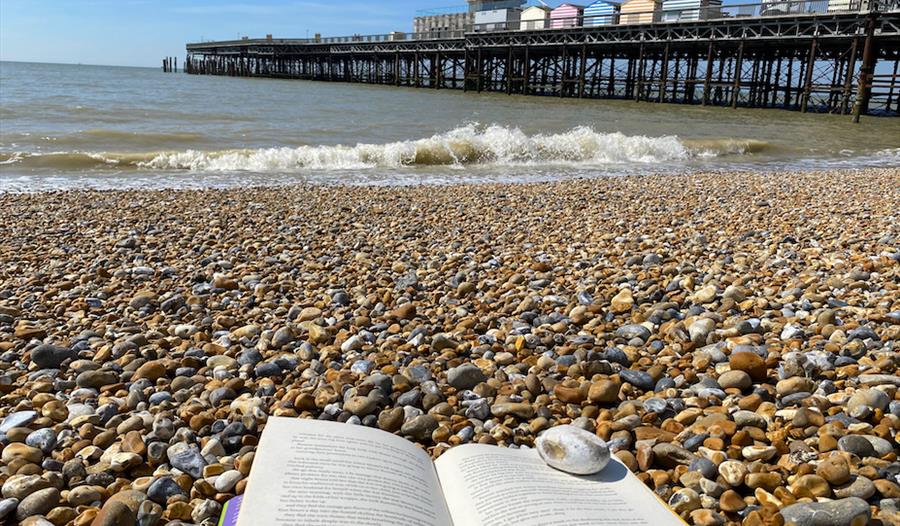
76,64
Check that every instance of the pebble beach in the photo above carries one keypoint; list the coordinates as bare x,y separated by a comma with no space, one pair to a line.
733,337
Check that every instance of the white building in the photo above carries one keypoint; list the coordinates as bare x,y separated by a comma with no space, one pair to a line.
497,19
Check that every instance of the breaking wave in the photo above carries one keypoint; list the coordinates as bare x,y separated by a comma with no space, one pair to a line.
464,146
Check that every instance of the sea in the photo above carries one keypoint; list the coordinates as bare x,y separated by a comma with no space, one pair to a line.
65,127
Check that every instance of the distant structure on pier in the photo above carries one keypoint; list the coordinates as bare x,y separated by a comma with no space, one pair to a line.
459,19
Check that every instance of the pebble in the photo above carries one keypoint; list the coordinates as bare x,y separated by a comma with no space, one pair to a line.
750,363
670,455
573,450
187,459
632,331
856,445
639,379
869,397
38,503
7,507
465,376
736,379
835,469
227,480
51,356
17,419
420,427
162,488
860,487
844,512
733,472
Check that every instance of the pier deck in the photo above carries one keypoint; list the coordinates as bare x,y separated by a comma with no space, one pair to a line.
798,57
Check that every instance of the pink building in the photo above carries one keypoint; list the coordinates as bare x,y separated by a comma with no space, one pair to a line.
567,15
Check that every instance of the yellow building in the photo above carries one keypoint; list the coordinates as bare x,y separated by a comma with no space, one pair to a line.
640,11
536,17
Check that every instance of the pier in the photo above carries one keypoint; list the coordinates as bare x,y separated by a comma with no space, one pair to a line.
806,56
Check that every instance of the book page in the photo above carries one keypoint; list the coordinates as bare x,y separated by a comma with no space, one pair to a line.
492,486
312,472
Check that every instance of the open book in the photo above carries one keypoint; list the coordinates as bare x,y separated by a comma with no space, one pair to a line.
312,472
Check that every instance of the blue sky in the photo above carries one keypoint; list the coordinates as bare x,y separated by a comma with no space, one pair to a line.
141,32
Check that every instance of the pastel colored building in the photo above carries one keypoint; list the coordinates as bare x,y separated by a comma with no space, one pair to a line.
566,15
602,13
535,17
836,6
497,19
640,11
690,10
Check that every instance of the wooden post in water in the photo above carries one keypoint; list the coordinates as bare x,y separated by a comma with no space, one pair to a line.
663,75
526,70
480,67
397,68
890,95
583,71
866,70
640,74
611,86
562,78
807,83
738,73
467,68
416,71
709,71
509,67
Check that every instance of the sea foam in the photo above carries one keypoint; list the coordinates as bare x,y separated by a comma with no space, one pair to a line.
467,145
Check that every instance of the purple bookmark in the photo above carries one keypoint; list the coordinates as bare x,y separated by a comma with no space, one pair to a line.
230,513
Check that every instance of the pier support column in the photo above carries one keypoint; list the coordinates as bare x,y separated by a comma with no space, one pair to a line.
526,71
848,77
564,65
807,83
509,70
738,73
480,66
663,74
639,84
866,70
583,73
438,70
467,67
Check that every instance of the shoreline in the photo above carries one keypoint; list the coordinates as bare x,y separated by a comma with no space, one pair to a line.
648,172
733,335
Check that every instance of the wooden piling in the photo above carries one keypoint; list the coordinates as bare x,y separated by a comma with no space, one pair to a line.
866,70
738,73
807,83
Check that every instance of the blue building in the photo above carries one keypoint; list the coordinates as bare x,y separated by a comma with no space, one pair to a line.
690,10
602,13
